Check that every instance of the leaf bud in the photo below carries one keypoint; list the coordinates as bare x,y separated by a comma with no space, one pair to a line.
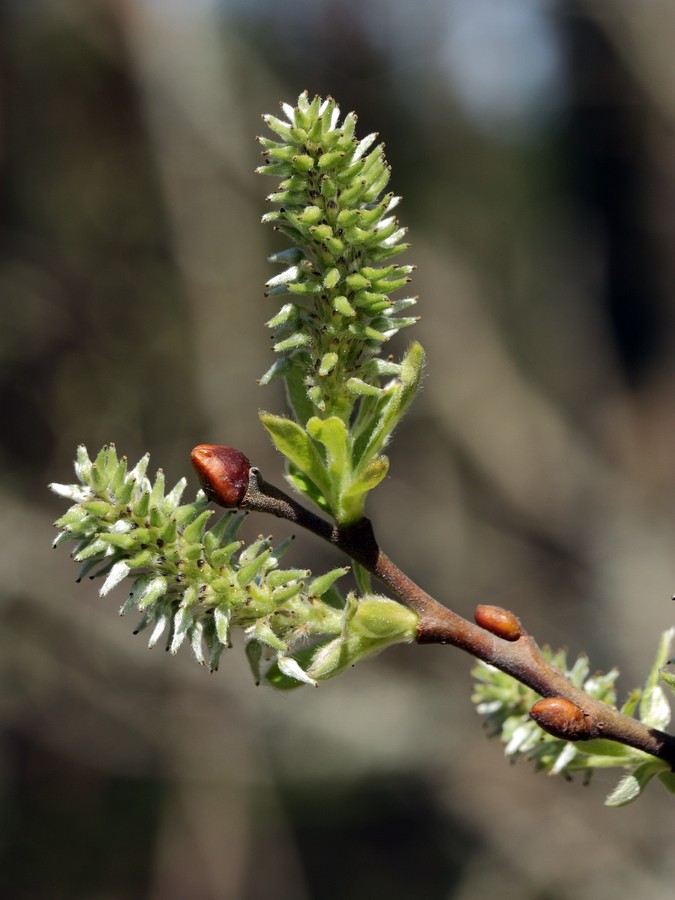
223,473
498,621
562,718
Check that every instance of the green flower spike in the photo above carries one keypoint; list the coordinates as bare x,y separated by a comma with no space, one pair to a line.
198,584
337,312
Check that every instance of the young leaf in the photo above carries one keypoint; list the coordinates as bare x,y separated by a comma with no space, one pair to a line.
393,408
632,785
297,446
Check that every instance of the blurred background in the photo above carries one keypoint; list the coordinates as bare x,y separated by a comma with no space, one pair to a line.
533,142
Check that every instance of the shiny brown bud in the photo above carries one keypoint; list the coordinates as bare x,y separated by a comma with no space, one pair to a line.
562,718
222,472
498,621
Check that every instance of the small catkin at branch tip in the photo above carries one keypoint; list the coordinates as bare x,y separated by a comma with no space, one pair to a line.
223,473
563,719
498,621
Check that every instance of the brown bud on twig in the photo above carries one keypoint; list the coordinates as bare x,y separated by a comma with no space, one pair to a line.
223,473
498,621
563,719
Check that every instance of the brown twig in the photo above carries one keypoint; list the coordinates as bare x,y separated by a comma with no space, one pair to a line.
577,717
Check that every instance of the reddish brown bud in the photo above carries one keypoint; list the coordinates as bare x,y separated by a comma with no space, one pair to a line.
222,472
562,718
498,621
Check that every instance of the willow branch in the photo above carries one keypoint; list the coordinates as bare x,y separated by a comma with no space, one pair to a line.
503,644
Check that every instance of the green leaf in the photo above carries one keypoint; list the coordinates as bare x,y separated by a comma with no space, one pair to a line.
353,498
348,490
616,754
654,708
254,656
362,578
632,785
668,677
631,703
368,477
369,434
661,658
307,487
333,435
659,670
667,779
297,446
393,408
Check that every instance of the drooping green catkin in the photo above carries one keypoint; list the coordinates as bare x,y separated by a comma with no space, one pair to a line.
515,713
337,279
195,583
